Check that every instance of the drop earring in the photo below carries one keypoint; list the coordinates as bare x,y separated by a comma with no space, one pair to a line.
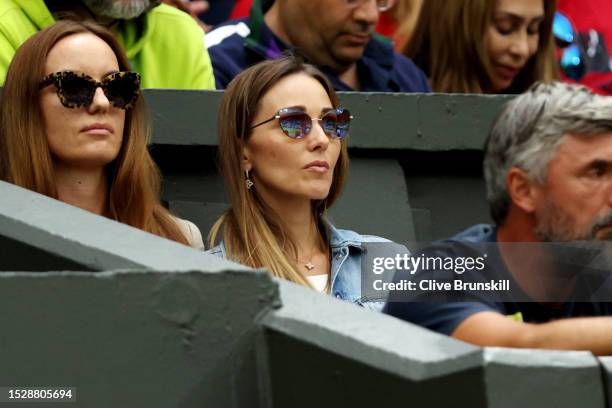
249,182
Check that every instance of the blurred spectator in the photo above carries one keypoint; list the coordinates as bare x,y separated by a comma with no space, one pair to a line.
586,57
548,171
73,127
398,23
485,46
164,44
335,35
283,169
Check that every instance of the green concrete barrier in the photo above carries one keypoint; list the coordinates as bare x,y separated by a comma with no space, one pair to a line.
431,122
134,338
542,378
38,228
349,356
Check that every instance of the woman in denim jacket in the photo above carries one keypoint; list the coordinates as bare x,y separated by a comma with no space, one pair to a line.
283,154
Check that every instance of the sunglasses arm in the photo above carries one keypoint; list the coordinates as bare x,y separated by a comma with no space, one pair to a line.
265,121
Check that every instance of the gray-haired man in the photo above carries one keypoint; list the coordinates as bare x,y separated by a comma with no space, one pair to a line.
548,170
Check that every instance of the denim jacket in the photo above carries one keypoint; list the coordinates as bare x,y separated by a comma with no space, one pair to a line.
346,254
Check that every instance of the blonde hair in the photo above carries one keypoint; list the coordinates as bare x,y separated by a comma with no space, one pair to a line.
25,158
449,45
251,231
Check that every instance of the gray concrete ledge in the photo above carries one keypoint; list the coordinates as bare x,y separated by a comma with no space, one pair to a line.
39,225
135,338
374,339
542,378
382,120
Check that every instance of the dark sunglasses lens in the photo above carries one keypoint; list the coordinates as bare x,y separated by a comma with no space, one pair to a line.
572,63
562,30
122,89
343,122
295,125
76,91
329,122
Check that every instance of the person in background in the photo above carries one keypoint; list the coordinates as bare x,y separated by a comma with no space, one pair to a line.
485,46
73,127
164,45
337,36
284,160
585,54
398,23
548,172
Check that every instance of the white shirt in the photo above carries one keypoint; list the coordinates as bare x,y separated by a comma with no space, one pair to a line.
318,282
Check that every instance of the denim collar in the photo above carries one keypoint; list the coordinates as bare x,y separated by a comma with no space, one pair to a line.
342,238
374,68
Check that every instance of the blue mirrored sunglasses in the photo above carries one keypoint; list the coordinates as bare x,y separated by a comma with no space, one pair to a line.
297,124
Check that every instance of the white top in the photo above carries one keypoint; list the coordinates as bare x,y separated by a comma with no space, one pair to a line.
319,282
191,232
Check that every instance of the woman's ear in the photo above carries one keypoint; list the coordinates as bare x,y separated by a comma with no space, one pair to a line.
524,192
246,159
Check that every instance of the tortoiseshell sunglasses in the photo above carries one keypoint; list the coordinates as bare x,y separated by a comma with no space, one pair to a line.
75,89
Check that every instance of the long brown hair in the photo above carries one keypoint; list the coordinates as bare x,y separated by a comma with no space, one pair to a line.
25,158
252,233
448,44
405,13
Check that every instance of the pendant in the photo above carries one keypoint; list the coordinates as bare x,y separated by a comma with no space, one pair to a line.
309,266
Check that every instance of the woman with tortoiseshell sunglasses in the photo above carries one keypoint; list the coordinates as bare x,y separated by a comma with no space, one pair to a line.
73,127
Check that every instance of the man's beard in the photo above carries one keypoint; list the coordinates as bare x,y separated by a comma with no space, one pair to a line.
555,225
119,9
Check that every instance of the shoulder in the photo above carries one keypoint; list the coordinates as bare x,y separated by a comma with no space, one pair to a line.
172,23
476,233
168,20
342,237
9,7
409,74
218,251
229,34
164,12
226,46
23,21
191,232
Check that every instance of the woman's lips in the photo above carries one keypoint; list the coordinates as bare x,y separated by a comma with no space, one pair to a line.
506,72
317,166
98,129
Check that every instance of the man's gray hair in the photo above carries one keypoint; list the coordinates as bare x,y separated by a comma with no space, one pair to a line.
531,127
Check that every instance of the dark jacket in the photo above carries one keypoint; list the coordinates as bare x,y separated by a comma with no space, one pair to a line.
239,44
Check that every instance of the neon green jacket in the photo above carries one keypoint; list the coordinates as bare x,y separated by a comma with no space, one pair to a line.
170,53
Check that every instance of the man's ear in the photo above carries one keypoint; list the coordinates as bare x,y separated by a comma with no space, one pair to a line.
524,192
